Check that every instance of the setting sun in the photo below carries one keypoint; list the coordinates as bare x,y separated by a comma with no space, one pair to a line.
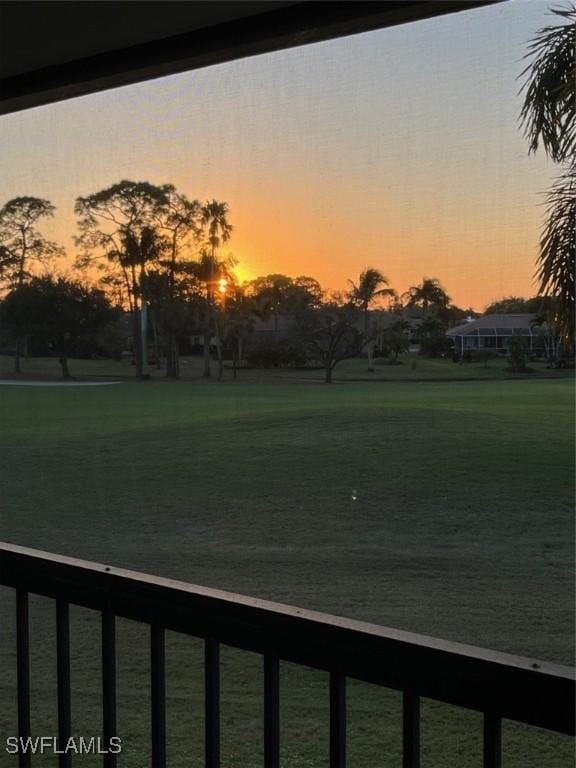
294,320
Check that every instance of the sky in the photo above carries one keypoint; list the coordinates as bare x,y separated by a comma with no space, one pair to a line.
398,149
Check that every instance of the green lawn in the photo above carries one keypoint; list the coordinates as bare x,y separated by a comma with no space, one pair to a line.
442,508
409,367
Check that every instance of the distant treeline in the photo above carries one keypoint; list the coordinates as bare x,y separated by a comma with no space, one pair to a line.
162,280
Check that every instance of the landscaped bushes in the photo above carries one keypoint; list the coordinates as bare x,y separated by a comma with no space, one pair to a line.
284,354
435,345
518,354
479,356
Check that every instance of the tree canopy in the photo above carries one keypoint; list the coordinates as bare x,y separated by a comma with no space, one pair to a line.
59,311
429,294
548,117
22,246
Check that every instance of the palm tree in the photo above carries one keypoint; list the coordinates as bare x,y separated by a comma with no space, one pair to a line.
557,252
428,295
212,273
242,310
278,293
139,249
370,287
549,118
213,216
179,219
547,114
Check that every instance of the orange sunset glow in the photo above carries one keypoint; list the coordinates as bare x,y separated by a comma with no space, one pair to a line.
398,149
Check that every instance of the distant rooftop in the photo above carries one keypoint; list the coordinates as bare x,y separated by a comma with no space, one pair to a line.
490,325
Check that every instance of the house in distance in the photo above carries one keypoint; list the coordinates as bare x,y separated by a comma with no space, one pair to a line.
493,332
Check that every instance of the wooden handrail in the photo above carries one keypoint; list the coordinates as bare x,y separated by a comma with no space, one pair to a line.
527,690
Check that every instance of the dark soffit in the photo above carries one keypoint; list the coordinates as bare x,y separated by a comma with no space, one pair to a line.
51,51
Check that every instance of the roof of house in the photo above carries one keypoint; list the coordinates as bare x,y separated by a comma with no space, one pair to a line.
491,325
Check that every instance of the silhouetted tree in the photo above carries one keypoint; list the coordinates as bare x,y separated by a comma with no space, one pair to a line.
548,112
371,286
306,292
513,305
284,295
549,118
517,354
429,295
180,221
510,305
557,249
139,250
431,335
58,311
394,339
23,248
331,334
242,311
174,310
218,230
213,274
118,231
22,245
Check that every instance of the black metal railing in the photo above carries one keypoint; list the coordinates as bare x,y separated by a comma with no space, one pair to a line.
499,685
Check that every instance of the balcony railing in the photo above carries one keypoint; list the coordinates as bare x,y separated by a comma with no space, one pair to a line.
499,685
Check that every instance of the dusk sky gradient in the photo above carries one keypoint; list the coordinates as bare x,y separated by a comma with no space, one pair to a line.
398,149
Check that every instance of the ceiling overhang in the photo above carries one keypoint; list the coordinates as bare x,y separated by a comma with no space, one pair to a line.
51,51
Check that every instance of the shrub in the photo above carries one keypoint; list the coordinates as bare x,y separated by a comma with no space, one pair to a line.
517,354
434,345
482,355
282,354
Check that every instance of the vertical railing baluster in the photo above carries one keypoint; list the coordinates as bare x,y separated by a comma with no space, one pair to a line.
23,673
212,703
63,681
158,708
410,730
109,686
271,712
492,741
337,720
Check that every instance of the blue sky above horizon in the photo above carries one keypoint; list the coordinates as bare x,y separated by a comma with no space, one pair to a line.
398,148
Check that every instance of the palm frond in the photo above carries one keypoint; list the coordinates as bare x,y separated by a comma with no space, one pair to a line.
558,249
548,113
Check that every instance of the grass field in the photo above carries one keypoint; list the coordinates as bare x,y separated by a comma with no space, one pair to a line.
442,508
410,367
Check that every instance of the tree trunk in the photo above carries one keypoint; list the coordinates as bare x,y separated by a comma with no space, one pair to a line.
64,367
328,373
220,359
156,338
17,354
172,357
370,353
237,358
207,373
19,343
137,340
144,334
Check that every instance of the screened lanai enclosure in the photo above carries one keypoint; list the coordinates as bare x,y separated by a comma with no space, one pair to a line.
493,332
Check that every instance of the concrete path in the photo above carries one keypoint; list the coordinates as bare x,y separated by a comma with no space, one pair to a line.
23,383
